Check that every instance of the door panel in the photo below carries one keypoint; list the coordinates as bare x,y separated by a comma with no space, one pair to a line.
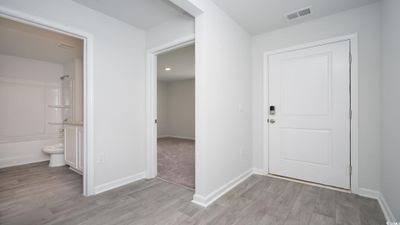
310,139
306,146
299,94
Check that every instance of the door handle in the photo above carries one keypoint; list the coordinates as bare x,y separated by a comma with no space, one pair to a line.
272,121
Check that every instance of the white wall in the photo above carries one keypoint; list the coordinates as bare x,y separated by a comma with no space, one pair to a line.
162,109
181,108
223,101
21,68
391,104
27,87
366,22
119,83
170,31
74,85
78,91
176,109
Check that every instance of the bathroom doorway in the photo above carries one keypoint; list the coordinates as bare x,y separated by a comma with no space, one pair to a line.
43,74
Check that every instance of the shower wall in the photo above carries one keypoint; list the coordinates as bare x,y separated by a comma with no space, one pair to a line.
72,91
30,113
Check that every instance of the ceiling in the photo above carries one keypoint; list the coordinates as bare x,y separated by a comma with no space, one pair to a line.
143,14
181,62
22,40
259,16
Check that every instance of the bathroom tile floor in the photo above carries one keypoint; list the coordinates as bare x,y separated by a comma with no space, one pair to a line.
37,194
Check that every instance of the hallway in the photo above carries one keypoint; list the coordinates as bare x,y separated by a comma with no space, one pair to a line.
36,194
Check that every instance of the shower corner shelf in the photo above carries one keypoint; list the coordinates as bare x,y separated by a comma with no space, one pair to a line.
60,106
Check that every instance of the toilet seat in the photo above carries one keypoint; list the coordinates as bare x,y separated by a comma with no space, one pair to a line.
54,149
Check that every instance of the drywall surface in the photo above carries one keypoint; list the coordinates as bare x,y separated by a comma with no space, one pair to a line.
223,100
181,106
21,68
366,22
74,90
162,109
27,88
119,83
391,104
170,31
176,109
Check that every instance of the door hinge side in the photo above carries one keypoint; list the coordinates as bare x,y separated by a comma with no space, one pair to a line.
350,114
350,58
350,170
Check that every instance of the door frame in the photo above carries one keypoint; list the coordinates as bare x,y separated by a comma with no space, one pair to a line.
353,39
87,38
151,99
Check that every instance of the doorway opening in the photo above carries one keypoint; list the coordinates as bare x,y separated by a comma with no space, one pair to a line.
44,91
176,116
174,64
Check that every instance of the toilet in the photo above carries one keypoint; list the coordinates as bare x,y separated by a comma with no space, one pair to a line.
56,153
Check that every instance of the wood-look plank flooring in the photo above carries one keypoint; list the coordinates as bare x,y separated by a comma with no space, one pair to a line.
37,194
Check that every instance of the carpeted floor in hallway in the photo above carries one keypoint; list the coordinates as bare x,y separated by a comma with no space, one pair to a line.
176,162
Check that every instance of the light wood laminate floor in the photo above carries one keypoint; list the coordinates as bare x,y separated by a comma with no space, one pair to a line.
36,194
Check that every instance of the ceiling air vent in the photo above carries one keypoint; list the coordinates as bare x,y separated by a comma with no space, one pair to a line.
292,16
299,13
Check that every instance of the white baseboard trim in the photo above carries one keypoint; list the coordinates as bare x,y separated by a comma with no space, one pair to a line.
179,137
118,183
258,171
205,201
21,160
162,136
381,200
369,193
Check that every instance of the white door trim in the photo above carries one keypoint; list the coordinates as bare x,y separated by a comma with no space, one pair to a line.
151,99
88,173
353,38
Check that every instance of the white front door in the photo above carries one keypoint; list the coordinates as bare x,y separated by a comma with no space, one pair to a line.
309,118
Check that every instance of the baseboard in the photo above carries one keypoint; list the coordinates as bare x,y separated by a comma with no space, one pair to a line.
369,193
179,137
381,200
259,171
162,136
205,201
118,183
21,160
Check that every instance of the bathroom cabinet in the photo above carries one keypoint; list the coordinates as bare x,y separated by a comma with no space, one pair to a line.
73,146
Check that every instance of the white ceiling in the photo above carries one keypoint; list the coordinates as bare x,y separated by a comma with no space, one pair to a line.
22,40
181,62
143,14
259,16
